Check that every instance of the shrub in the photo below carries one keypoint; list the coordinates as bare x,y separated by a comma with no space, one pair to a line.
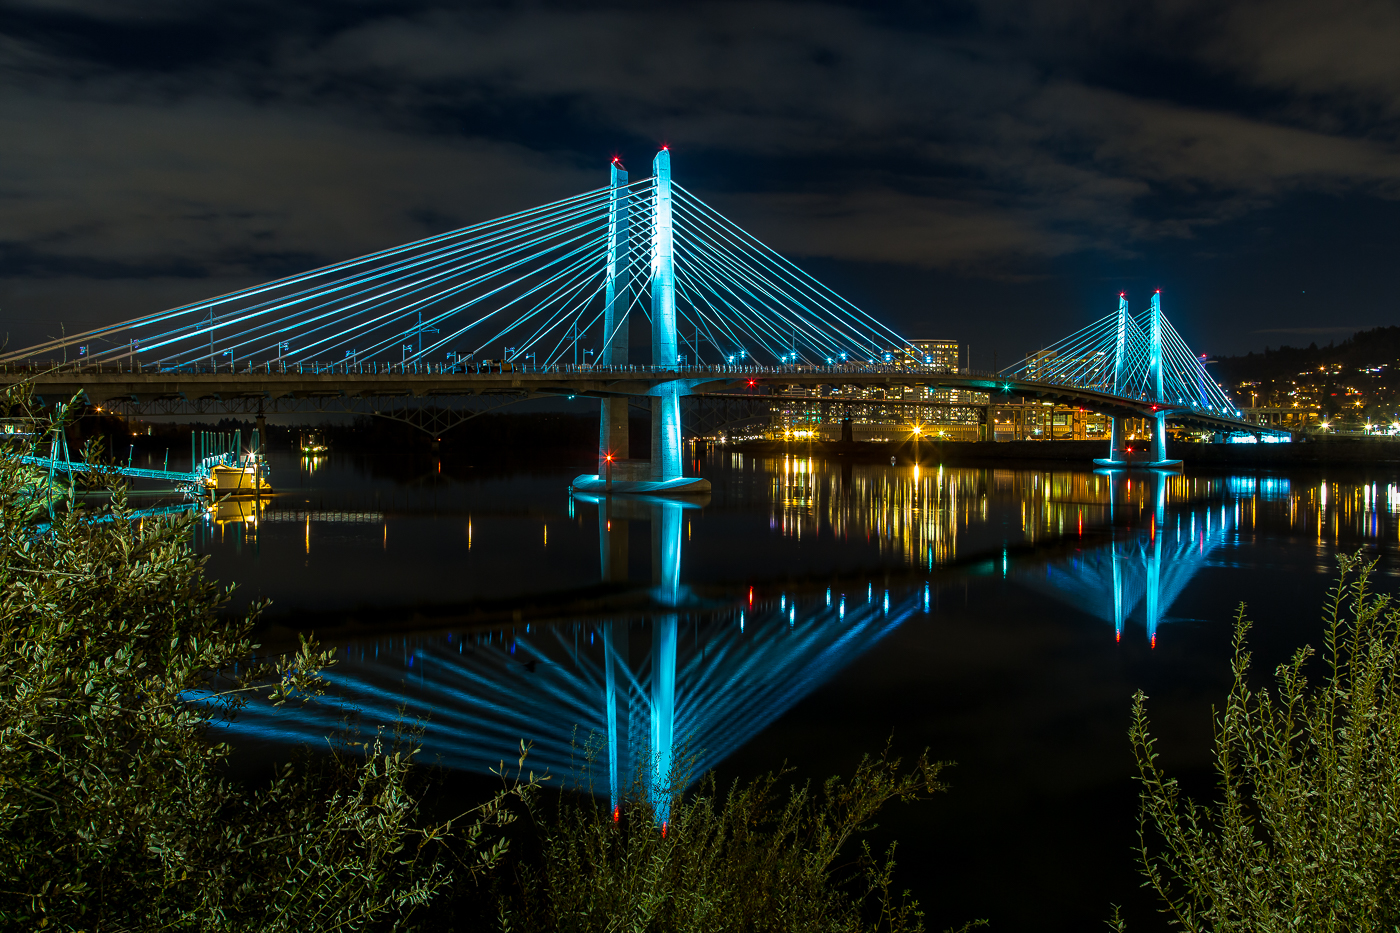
754,858
1305,834
115,809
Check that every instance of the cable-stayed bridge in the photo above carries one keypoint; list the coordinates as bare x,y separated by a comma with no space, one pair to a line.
545,302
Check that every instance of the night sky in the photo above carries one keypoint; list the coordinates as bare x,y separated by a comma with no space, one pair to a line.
994,172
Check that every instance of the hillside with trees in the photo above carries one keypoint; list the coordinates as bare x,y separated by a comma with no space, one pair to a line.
1355,381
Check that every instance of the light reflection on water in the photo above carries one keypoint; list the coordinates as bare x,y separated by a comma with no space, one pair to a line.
631,687
458,539
1003,616
917,513
705,668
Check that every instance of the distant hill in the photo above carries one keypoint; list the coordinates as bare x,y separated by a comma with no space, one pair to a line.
1364,348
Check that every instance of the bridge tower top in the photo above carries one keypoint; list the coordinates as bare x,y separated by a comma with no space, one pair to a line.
664,347
1121,344
1160,396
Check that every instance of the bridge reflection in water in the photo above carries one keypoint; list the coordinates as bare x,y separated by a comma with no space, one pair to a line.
1144,565
667,675
647,700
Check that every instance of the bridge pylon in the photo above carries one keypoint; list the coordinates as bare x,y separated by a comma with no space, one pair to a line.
1118,453
663,474
613,437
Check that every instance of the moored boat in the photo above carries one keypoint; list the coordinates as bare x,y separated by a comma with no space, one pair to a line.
245,479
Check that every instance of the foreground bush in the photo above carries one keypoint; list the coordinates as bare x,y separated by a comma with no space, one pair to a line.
754,858
1305,834
116,812
114,809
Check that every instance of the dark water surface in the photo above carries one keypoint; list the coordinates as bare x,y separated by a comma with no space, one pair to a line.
804,613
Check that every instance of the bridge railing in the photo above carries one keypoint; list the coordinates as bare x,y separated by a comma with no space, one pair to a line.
383,368
494,367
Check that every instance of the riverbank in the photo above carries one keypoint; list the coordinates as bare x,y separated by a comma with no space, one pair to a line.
1312,451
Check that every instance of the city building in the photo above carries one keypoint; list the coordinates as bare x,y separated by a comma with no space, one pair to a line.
1036,420
939,356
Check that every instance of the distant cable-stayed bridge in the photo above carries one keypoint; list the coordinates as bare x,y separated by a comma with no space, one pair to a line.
542,302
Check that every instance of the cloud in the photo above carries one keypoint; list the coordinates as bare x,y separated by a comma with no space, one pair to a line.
223,187
975,138
1333,55
834,130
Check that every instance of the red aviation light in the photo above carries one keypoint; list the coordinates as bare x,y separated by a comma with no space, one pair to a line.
751,382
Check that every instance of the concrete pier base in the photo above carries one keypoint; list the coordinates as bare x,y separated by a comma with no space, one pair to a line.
1137,464
680,486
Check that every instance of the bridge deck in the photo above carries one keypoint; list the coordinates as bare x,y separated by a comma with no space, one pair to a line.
271,381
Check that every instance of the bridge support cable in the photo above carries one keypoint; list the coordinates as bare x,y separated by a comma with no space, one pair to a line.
544,268
314,281
781,321
527,271
539,280
752,307
762,294
1141,357
523,267
816,298
385,292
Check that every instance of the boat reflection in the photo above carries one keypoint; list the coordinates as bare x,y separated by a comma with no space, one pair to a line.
243,510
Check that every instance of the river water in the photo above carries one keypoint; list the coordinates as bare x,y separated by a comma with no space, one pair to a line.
804,613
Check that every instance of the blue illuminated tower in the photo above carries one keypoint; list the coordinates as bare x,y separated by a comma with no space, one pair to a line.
1159,432
612,431
1130,379
665,403
664,474
1115,436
